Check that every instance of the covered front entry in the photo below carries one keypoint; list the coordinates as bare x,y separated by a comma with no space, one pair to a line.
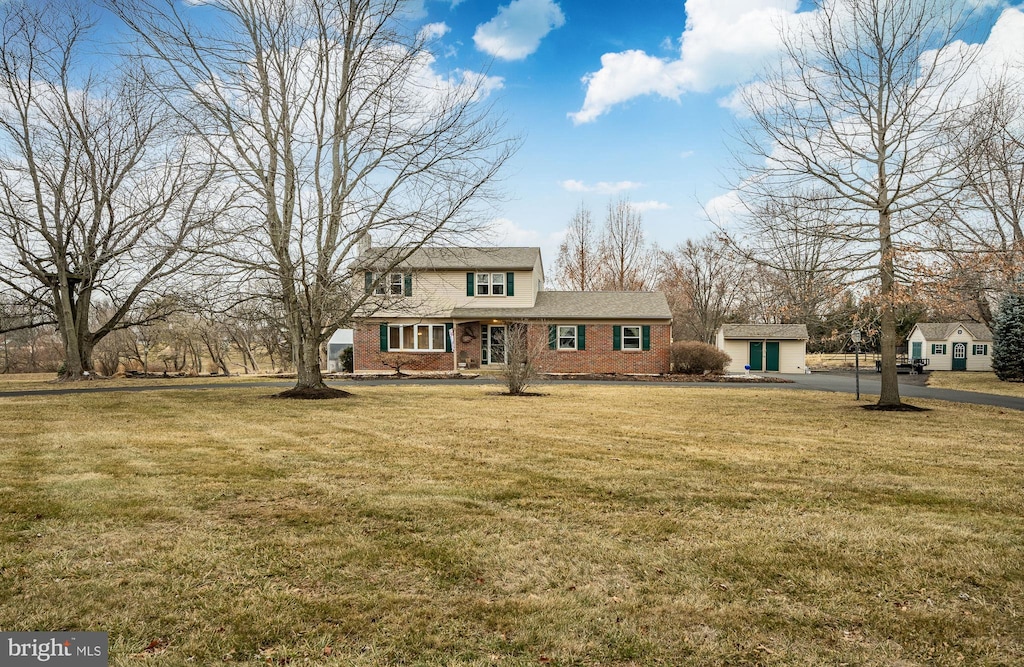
764,355
959,356
492,344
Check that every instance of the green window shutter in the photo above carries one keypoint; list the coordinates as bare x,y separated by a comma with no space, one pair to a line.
408,285
552,336
384,337
616,337
369,281
510,284
469,283
986,350
448,336
645,332
581,337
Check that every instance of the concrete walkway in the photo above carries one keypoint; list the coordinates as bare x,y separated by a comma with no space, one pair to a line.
839,382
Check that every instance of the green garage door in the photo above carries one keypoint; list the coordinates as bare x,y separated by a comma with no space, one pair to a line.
772,356
756,352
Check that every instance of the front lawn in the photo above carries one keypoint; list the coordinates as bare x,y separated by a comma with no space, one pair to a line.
610,525
986,383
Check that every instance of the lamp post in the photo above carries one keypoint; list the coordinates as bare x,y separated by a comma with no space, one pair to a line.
855,337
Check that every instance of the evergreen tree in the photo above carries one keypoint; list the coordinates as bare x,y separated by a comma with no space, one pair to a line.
1008,338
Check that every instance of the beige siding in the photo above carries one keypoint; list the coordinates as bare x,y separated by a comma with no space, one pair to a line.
944,362
737,350
436,293
792,354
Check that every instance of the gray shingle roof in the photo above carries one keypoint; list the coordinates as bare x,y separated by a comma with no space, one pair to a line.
552,305
452,258
943,330
779,331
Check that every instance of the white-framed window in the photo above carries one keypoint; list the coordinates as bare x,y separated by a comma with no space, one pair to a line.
631,338
416,338
567,337
980,349
938,348
490,284
392,285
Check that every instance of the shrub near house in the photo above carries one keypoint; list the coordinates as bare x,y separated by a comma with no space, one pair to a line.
452,307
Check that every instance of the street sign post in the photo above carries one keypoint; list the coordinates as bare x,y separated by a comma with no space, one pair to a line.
855,337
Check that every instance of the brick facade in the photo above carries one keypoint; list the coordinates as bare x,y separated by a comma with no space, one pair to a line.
598,357
366,354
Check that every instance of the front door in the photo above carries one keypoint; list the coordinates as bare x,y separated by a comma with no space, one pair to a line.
756,352
493,341
771,360
959,356
916,351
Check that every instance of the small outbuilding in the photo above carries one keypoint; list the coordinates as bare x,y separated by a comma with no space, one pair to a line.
772,348
952,346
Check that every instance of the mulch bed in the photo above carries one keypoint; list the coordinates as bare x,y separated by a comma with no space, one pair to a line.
312,393
902,407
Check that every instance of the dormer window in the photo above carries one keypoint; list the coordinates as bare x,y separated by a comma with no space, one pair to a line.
490,284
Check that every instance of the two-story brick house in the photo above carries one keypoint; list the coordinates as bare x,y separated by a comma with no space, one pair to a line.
451,308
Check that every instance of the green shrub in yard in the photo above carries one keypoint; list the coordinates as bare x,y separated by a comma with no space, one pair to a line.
693,357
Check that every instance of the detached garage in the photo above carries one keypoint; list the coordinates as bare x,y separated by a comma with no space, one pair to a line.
769,348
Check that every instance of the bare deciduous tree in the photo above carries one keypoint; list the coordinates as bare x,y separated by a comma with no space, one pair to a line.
627,262
861,108
329,115
578,260
523,353
803,262
100,195
704,285
980,234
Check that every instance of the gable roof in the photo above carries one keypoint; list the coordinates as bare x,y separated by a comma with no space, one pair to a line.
780,331
555,305
455,258
943,330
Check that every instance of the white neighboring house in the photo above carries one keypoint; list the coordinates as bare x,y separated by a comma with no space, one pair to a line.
952,346
773,348
339,342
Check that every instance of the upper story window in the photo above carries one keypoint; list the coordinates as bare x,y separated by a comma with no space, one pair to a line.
490,284
390,284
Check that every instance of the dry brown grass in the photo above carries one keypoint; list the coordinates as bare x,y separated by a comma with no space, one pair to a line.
441,525
48,381
986,383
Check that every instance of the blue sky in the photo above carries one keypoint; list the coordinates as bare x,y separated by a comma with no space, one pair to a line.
625,98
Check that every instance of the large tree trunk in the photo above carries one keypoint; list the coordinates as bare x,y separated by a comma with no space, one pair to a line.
307,366
890,393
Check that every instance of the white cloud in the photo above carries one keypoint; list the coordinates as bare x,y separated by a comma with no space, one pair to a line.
725,209
604,187
644,206
434,31
687,154
515,32
724,43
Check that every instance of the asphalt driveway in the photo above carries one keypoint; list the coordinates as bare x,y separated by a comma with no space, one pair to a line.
911,386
